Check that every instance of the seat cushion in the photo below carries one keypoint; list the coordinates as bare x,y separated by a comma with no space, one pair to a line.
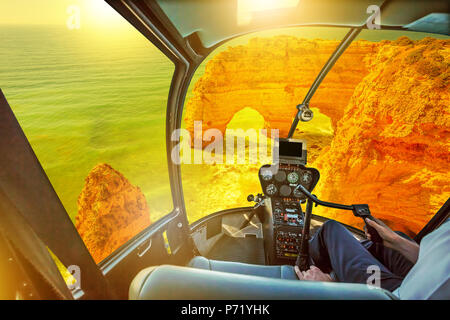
277,272
173,282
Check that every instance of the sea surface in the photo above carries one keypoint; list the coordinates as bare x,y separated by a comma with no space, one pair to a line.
85,97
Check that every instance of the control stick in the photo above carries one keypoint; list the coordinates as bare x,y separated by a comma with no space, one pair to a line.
303,255
362,211
359,210
259,199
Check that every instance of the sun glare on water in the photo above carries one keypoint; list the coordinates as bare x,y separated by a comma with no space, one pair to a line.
102,10
100,14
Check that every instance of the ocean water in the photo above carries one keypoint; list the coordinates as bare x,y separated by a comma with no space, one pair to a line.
84,98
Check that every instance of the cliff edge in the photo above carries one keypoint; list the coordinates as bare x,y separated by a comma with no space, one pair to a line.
391,148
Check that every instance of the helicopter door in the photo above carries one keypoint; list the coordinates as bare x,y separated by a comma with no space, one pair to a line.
165,242
24,184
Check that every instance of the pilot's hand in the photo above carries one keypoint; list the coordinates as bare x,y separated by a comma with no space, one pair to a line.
390,238
313,274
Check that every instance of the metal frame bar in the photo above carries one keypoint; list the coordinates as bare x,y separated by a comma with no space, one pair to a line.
25,183
343,45
185,61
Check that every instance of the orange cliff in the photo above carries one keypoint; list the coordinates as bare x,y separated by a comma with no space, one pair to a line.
110,211
392,146
272,76
388,103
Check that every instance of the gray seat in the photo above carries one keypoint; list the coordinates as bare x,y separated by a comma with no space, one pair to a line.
277,272
172,282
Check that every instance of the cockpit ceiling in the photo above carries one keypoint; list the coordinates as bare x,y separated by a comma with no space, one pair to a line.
217,20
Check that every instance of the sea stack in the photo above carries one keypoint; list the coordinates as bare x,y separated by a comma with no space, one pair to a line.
110,211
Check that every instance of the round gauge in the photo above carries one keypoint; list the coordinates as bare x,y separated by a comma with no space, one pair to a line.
298,193
285,190
266,174
271,189
306,178
292,177
280,176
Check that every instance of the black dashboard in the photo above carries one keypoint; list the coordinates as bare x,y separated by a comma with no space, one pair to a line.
285,218
282,183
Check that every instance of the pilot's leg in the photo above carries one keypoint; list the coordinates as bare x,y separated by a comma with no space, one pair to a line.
335,248
392,259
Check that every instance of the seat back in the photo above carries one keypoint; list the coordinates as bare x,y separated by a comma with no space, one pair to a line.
173,282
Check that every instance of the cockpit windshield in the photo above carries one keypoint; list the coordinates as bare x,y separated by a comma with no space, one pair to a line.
370,142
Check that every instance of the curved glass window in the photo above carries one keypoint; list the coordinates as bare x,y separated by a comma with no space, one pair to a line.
90,93
379,134
252,83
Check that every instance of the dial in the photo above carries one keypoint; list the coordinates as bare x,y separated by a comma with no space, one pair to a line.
292,177
285,190
266,174
306,178
297,193
280,176
271,189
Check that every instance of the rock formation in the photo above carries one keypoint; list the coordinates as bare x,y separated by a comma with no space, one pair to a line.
392,146
272,76
388,103
110,211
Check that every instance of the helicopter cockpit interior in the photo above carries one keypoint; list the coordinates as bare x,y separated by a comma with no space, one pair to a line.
273,236
84,248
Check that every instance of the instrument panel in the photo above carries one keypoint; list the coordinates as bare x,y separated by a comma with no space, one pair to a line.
283,182
287,217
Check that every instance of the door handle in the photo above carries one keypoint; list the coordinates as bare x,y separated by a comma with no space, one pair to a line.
143,248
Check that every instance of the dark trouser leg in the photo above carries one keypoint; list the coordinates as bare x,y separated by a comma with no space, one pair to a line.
392,259
334,248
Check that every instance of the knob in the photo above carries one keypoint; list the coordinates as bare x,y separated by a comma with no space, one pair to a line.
250,198
306,115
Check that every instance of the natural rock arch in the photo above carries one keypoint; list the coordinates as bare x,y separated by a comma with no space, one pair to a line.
248,118
272,76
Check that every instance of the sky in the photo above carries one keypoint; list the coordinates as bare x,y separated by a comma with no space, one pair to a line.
92,13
